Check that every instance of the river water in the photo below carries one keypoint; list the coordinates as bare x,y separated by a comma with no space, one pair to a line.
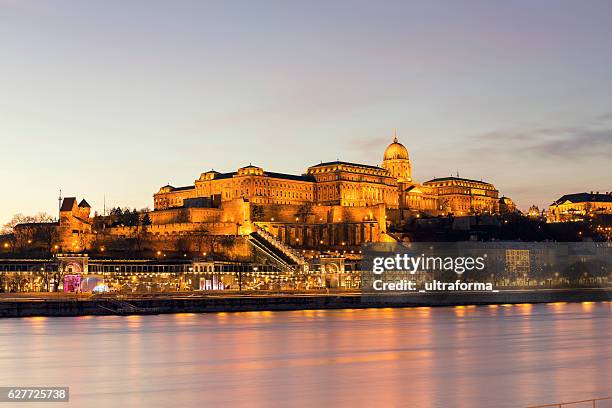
505,356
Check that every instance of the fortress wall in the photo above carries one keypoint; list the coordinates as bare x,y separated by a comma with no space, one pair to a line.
228,246
359,214
278,212
236,211
341,235
176,215
183,228
232,212
318,213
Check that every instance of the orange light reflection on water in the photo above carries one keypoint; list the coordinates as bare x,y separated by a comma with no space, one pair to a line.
413,357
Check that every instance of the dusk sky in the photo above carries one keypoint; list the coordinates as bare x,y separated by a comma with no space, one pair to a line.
118,98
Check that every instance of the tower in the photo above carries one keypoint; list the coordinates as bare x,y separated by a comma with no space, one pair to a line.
396,160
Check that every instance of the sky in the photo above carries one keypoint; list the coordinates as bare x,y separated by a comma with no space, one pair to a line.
114,99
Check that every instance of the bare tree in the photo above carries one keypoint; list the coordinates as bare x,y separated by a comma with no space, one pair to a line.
304,211
9,227
29,231
200,234
182,216
257,212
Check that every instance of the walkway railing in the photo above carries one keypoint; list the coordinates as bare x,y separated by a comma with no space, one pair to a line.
567,404
291,253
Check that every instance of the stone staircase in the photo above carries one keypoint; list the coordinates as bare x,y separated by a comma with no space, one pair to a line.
283,254
119,306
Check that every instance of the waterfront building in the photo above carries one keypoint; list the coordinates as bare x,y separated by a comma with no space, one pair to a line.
578,206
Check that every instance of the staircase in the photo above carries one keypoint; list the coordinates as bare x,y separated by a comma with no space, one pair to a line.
287,257
120,307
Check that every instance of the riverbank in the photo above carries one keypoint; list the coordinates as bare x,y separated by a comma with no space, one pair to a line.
85,306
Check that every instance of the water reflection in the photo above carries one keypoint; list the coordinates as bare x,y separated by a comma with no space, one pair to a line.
507,356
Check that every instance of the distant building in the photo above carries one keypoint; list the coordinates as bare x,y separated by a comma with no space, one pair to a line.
462,196
518,263
534,212
506,205
576,207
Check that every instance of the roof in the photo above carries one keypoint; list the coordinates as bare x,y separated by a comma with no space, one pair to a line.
84,203
36,224
438,179
68,203
183,188
303,177
219,176
347,163
585,198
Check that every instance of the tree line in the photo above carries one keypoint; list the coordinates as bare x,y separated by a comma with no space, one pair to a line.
122,217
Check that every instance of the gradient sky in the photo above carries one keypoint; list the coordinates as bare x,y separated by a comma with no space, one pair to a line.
121,97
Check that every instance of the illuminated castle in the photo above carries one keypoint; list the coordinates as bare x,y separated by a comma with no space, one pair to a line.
337,204
339,183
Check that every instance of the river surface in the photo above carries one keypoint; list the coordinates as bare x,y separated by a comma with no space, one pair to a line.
505,356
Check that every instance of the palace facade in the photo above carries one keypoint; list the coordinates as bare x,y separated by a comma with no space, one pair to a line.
575,207
339,183
334,204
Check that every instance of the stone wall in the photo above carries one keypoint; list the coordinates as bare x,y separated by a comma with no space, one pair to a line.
319,214
226,246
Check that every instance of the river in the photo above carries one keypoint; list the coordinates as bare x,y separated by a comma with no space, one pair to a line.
485,356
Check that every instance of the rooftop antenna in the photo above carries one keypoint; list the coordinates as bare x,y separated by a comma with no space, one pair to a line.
104,211
59,200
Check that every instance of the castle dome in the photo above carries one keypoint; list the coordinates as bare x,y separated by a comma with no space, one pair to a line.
396,150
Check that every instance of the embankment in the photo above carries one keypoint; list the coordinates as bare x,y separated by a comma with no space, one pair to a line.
40,306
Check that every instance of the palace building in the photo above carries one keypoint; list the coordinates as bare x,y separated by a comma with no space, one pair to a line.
335,204
575,207
339,183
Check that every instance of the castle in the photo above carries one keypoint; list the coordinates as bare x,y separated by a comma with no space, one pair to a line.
339,183
333,204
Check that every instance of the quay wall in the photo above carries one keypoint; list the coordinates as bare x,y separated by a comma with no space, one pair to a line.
233,303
